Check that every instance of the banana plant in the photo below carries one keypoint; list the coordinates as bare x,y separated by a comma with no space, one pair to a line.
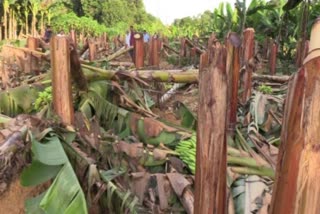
19,100
34,8
265,17
5,17
26,8
65,194
291,4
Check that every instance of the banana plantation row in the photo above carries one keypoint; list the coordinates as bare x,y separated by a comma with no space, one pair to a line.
86,120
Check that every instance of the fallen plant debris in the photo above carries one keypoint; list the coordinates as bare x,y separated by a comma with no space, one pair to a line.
133,143
124,156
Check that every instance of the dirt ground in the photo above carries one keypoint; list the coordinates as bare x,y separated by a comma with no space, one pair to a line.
12,201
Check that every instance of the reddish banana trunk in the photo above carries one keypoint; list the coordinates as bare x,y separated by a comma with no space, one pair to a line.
210,183
297,189
154,52
73,36
139,52
92,50
33,62
61,79
248,51
233,72
273,58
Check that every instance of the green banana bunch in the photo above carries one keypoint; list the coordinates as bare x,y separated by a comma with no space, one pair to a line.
44,98
187,152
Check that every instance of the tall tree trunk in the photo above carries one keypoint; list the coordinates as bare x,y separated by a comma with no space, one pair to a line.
14,26
26,24
49,16
34,20
5,20
211,157
10,24
1,33
297,189
42,23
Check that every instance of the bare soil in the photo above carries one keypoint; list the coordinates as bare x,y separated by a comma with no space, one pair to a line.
13,200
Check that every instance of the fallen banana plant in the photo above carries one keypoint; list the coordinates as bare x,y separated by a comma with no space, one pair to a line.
238,163
19,100
49,161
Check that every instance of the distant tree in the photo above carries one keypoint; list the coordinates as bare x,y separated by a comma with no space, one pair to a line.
115,11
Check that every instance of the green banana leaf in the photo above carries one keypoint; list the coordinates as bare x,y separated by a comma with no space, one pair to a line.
4,119
50,160
188,119
38,173
32,205
129,201
19,100
65,194
238,191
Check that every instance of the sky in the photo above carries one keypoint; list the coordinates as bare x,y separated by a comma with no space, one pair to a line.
168,10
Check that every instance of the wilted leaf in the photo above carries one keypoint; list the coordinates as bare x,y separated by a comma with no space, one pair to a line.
254,189
266,203
140,182
181,187
152,127
111,174
178,182
161,186
177,164
134,150
258,108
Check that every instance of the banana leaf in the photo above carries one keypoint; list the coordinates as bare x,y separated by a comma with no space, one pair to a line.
291,4
188,119
4,119
65,194
152,131
38,173
32,205
50,160
258,108
19,100
245,192
238,190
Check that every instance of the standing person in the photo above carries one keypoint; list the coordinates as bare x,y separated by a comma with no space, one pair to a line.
146,39
128,39
48,34
131,43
